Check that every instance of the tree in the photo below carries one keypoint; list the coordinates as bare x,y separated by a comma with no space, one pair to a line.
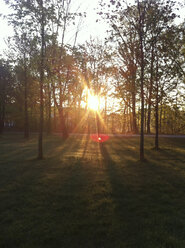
6,85
135,19
42,34
124,33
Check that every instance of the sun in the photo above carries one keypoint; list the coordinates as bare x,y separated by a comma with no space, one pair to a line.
93,102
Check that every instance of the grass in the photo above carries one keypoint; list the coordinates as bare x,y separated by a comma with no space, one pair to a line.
83,195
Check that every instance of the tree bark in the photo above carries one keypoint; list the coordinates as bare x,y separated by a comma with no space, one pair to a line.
134,123
150,92
160,120
141,16
2,116
54,111
2,105
26,120
49,110
40,140
157,112
62,117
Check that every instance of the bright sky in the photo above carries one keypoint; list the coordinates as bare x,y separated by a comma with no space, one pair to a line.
89,28
5,29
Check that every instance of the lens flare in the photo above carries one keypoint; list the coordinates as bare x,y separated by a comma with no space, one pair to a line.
99,138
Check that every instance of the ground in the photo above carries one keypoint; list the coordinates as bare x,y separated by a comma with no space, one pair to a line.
87,195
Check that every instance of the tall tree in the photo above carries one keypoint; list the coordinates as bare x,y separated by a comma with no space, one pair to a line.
6,87
140,27
42,34
125,35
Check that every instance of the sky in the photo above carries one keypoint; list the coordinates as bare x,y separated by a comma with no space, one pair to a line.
89,28
5,29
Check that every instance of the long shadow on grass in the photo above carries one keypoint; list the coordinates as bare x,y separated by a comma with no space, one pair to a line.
125,222
148,203
87,137
77,204
47,208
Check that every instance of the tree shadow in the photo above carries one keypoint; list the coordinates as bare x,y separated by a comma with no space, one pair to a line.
114,201
147,197
87,137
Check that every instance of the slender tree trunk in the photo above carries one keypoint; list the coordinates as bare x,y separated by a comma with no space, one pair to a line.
160,120
1,126
88,124
164,125
150,92
54,111
2,116
97,124
78,117
54,118
40,140
149,118
105,116
127,120
61,113
134,123
130,120
62,122
112,123
133,99
157,112
2,108
141,16
124,121
26,120
88,117
145,125
49,110
156,122
142,113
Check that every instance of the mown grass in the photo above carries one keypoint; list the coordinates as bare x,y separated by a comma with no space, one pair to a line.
83,195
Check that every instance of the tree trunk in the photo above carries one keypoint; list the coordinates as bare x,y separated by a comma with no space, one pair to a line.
145,124
54,111
141,20
157,112
105,116
150,92
124,121
112,123
26,120
62,122
130,120
49,111
2,107
78,116
160,120
40,140
97,124
134,123
156,122
2,116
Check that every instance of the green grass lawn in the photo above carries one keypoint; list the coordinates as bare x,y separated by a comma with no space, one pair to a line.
86,196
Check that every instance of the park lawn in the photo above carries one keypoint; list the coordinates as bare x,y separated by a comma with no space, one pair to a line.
90,196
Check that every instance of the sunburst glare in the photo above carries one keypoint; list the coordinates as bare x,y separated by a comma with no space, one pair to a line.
93,102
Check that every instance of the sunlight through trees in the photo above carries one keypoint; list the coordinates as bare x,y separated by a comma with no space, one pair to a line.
132,82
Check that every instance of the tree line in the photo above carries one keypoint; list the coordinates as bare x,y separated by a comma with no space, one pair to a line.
137,71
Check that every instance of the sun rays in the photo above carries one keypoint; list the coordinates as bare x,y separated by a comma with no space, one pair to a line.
93,102
92,120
